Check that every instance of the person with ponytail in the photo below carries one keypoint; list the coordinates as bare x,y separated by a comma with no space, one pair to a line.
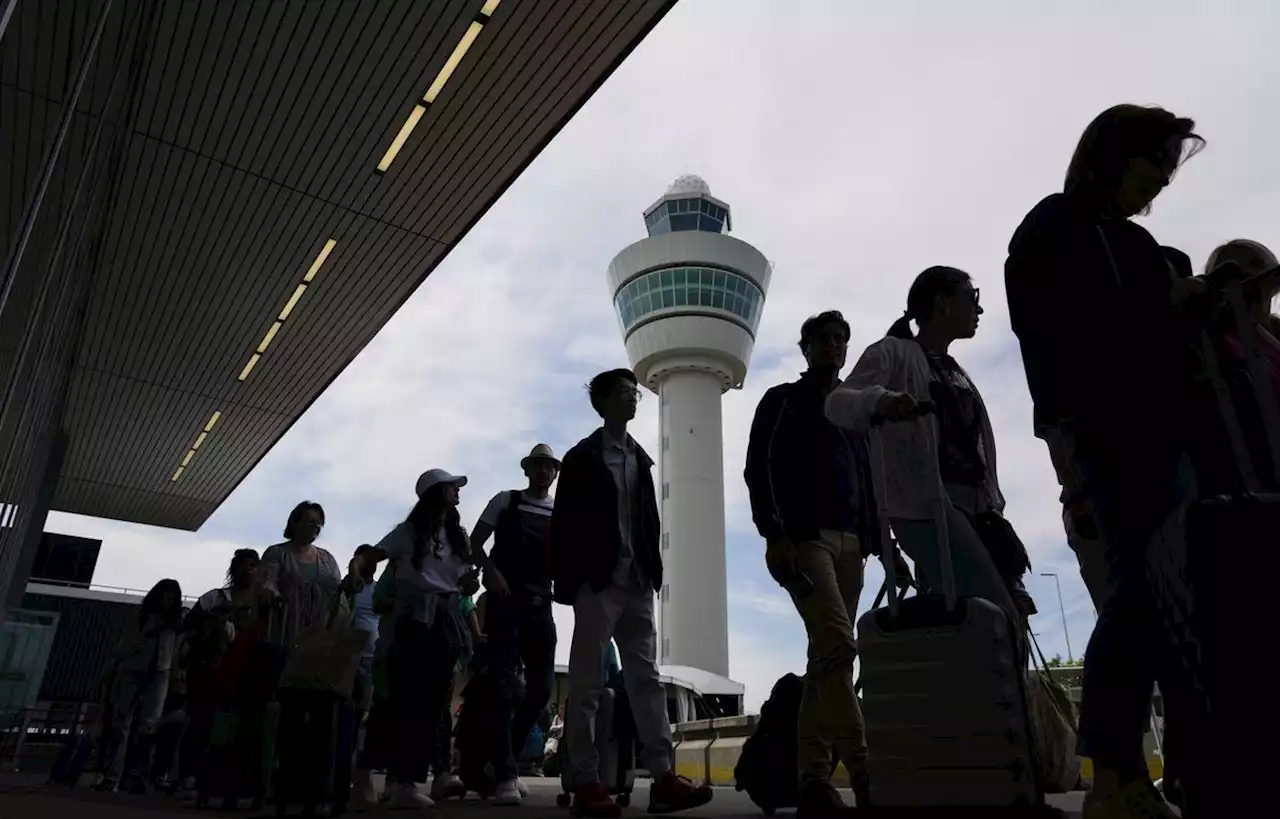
891,381
432,569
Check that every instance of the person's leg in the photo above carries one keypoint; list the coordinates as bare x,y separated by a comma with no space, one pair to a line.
594,617
538,652
445,784
974,571
415,710
637,641
1091,553
502,627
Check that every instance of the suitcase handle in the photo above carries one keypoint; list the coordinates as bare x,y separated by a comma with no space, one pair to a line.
887,544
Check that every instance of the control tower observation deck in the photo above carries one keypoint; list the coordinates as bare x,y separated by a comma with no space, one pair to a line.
689,299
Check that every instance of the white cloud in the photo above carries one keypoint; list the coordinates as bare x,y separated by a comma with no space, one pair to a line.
857,144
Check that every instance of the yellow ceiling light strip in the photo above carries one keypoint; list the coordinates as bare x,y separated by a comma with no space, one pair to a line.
288,309
437,85
191,453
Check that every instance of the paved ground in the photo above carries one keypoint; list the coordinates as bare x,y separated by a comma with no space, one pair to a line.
36,802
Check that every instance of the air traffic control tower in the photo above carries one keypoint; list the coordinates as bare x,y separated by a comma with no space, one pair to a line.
689,298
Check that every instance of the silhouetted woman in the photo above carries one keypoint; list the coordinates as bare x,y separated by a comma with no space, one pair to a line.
139,676
1099,313
302,578
431,570
890,380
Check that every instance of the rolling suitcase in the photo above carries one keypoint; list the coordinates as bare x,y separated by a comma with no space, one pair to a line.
72,759
616,744
943,695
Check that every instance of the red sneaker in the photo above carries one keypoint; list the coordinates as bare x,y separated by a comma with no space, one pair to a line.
593,801
674,793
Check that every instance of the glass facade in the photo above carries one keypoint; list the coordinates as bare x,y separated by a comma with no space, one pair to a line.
687,214
697,288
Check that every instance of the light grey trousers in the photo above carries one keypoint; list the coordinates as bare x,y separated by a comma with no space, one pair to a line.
623,614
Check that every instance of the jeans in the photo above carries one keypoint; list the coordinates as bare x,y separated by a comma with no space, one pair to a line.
1133,489
519,632
974,570
829,712
420,667
137,699
624,614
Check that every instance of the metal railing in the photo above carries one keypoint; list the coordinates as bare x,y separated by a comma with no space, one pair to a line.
101,587
32,737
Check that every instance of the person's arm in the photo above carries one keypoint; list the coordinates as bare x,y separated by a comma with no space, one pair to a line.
565,517
485,525
854,403
268,577
764,427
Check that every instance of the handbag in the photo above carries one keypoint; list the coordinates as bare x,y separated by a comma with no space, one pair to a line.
326,657
1007,550
1053,730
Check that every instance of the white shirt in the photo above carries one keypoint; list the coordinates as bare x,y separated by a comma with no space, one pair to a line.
441,572
904,455
528,503
364,619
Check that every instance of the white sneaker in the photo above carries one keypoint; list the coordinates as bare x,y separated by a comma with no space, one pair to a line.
447,786
407,797
508,793
364,795
523,788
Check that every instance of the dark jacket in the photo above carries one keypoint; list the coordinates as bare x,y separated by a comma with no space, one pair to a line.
586,541
1089,303
804,473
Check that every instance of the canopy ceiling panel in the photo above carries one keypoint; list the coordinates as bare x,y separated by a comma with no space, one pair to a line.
251,247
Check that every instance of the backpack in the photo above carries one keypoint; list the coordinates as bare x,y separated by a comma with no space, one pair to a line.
773,749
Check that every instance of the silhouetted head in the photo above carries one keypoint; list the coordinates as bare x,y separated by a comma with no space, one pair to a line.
1128,154
615,395
438,495
824,340
305,523
943,300
164,602
1244,258
367,568
244,563
541,467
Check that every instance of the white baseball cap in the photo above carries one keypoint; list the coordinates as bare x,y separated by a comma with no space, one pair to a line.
432,477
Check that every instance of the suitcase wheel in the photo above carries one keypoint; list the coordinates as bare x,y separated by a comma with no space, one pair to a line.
623,800
562,800
769,811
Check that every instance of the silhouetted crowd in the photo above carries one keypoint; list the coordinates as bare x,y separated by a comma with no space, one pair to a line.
1153,388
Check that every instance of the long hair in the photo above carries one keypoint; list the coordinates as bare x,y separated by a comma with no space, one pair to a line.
152,602
931,283
426,518
1122,133
237,560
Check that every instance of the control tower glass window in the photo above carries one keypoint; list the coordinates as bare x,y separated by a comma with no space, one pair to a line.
689,289
686,214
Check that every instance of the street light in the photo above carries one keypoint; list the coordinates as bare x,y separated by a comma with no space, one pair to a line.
1062,608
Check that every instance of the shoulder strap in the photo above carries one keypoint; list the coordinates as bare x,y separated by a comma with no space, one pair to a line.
513,500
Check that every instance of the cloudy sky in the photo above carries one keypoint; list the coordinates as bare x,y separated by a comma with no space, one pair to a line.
857,143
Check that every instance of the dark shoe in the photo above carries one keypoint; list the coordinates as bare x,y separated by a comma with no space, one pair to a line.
674,793
821,800
593,801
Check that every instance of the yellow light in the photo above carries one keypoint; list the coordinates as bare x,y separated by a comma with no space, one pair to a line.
199,440
405,130
248,368
460,51
292,303
186,459
324,254
178,474
266,340
490,7
213,419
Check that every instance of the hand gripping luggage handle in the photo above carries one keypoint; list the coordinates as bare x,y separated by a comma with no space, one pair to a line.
887,544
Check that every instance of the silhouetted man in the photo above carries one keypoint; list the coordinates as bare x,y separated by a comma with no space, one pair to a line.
606,564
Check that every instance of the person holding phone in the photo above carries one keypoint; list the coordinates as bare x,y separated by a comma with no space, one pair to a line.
809,485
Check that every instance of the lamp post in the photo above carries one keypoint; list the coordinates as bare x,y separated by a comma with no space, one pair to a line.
1063,609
